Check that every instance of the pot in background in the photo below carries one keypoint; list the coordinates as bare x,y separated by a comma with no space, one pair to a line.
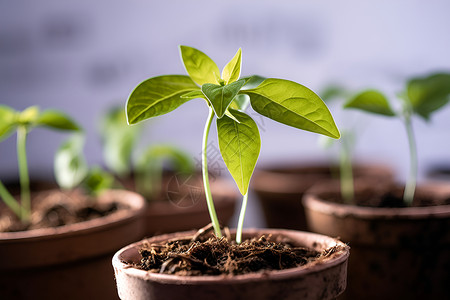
281,188
70,261
397,253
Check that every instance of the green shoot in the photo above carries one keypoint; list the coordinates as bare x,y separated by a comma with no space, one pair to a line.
422,97
23,122
227,97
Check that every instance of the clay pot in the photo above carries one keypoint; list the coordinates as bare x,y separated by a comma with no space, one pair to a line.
71,261
397,253
280,189
184,208
319,281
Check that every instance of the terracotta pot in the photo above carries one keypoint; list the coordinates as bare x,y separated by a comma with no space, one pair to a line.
72,261
397,253
190,210
280,189
319,281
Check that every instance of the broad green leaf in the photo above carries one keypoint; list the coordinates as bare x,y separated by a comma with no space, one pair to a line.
371,101
157,96
232,70
252,82
98,181
70,166
57,120
193,95
220,96
428,94
239,145
118,140
199,66
292,104
8,119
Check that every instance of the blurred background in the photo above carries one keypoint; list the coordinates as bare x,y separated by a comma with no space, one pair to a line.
84,57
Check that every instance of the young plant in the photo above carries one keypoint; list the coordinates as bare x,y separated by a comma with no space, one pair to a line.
23,122
119,141
281,100
422,96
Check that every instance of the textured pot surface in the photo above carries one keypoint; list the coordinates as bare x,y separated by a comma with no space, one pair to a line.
280,189
72,261
325,280
191,211
397,253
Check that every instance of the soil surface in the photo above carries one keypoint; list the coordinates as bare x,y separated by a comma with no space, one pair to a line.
389,196
55,208
205,254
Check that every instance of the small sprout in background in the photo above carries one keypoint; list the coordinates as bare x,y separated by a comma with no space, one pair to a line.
119,142
422,97
23,122
281,100
72,170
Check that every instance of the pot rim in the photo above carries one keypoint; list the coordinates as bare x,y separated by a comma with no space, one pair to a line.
135,202
312,201
339,258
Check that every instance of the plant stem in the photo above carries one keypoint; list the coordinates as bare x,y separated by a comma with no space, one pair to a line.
241,219
23,173
408,195
209,200
10,201
347,187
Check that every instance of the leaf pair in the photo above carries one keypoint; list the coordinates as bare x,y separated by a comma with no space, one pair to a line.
31,117
423,95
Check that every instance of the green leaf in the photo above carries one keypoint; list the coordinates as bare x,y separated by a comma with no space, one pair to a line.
57,120
199,66
8,121
70,166
98,181
371,101
239,145
157,96
118,140
428,94
241,101
292,104
193,95
253,81
232,70
220,96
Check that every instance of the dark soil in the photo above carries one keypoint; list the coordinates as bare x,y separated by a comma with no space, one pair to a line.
388,196
205,254
57,208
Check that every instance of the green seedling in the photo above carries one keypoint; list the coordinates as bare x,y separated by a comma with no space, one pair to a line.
422,97
23,122
71,169
225,94
119,141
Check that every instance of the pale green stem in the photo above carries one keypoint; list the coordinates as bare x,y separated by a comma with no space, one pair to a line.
347,187
10,201
408,195
241,219
23,172
209,199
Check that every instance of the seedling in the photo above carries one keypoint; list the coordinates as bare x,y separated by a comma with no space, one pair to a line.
422,96
119,141
23,122
281,100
